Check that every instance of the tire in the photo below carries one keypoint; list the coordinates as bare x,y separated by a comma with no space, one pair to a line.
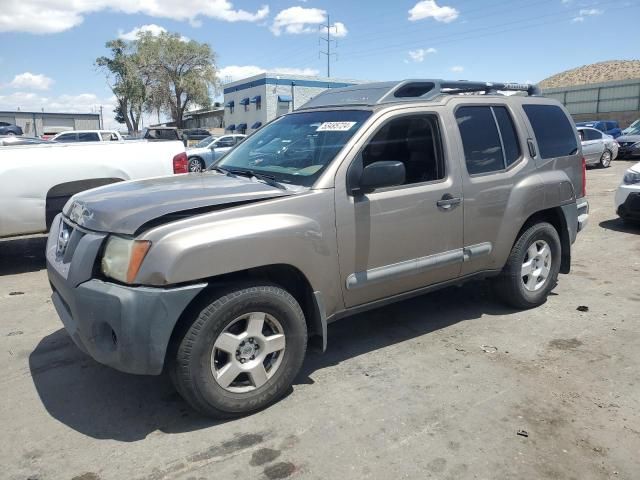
11,133
204,358
605,159
195,165
524,292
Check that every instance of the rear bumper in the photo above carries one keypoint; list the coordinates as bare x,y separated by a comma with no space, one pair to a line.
583,214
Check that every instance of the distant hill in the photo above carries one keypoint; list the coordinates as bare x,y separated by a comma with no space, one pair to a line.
609,71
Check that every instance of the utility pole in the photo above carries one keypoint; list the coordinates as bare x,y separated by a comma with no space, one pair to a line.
328,40
101,119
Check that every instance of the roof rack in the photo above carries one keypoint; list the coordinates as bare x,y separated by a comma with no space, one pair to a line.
410,90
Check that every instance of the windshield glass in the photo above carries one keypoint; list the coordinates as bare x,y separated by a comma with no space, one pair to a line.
296,148
205,142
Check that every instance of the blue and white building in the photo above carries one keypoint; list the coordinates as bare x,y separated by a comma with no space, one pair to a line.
254,101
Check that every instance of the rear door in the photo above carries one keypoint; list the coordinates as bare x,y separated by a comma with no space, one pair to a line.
495,157
401,238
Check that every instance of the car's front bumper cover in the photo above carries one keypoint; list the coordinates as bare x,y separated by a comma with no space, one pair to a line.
125,327
630,208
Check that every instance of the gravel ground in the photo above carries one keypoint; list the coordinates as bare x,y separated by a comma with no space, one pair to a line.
435,387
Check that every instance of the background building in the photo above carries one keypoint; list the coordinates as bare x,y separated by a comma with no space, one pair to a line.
35,123
206,118
254,101
600,91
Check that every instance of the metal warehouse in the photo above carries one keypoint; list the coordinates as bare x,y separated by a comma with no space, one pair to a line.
254,101
602,101
36,123
600,91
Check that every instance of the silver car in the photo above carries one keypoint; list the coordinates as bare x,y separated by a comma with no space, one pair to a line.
598,148
364,196
206,151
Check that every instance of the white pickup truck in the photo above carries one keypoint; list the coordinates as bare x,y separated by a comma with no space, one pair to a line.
37,180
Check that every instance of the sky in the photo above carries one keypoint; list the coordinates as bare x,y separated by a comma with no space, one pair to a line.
49,46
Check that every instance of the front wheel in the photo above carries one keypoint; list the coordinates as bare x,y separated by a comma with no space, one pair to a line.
531,271
242,351
605,159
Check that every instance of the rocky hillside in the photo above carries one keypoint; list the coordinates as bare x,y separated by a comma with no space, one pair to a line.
595,73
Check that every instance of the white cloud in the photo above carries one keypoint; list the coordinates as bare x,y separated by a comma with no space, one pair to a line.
152,28
296,20
430,9
586,12
457,68
52,16
238,72
419,54
30,80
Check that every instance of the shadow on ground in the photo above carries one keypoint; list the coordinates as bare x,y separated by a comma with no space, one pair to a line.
22,255
103,403
617,225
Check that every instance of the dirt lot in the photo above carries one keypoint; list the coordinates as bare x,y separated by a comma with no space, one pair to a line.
436,387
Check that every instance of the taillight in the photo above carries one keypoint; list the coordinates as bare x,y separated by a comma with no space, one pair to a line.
584,177
181,163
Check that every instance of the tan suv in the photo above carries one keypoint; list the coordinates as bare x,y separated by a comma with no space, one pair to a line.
366,195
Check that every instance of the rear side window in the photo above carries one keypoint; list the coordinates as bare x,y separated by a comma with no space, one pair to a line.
88,137
552,129
489,138
592,134
67,137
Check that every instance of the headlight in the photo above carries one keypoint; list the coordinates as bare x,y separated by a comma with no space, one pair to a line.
122,258
631,177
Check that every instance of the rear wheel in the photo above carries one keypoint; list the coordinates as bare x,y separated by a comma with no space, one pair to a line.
241,352
532,268
605,159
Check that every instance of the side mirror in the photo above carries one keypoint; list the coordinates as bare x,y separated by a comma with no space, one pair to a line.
381,174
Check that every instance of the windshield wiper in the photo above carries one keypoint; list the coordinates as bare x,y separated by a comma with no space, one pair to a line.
268,179
224,171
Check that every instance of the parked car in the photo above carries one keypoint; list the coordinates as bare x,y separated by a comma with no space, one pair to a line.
10,129
373,194
196,134
632,129
12,140
609,127
204,153
598,148
37,180
628,195
87,136
629,145
162,133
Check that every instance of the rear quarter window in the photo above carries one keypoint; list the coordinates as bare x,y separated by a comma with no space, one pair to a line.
552,129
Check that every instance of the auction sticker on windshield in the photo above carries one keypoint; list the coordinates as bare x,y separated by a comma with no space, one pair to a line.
335,126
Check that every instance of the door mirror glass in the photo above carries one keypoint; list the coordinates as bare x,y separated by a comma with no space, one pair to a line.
381,174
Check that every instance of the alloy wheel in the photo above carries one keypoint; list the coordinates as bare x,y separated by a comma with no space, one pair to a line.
536,266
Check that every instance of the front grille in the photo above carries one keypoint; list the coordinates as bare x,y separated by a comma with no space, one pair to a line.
67,242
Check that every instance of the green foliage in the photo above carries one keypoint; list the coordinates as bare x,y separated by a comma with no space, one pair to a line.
158,73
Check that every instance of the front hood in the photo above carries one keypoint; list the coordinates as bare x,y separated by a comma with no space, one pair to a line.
628,138
125,207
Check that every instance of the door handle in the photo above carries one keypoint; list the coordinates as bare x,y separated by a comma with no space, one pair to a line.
448,201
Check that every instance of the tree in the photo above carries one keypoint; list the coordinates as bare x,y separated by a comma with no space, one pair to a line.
181,74
126,81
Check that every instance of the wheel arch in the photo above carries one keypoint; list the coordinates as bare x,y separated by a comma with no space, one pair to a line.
286,276
556,217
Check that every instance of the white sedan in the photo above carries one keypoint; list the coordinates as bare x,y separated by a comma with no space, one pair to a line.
206,151
628,195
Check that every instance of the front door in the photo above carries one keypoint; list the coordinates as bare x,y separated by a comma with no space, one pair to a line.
401,238
592,146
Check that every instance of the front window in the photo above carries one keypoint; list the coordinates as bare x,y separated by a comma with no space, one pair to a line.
296,148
